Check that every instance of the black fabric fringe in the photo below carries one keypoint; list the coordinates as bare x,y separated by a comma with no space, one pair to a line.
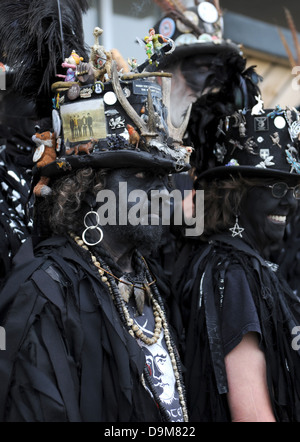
278,311
238,88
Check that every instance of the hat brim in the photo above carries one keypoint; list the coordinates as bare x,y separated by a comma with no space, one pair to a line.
115,159
218,173
208,48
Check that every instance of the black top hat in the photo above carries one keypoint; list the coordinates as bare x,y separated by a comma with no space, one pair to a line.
257,142
197,30
111,121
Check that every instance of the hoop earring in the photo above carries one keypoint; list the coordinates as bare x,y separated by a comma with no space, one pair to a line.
236,230
96,227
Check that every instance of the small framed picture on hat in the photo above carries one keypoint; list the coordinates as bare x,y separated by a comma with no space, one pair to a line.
83,120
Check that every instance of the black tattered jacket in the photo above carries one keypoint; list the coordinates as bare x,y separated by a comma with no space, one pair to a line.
198,286
67,357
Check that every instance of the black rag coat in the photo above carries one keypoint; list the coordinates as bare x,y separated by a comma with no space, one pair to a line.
68,357
199,286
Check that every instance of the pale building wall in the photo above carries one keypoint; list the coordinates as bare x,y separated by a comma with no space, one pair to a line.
122,21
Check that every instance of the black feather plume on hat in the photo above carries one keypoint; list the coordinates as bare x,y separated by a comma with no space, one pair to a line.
35,37
238,87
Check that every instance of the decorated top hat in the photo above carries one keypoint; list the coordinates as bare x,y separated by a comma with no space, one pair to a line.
257,142
194,30
104,118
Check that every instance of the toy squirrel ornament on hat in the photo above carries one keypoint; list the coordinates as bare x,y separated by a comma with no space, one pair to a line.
109,119
125,117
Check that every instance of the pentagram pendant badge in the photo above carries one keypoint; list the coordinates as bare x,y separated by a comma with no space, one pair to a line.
236,230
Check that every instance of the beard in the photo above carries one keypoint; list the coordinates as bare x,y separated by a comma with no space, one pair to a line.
145,238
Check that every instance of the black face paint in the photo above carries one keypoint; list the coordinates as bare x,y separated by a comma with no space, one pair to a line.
265,217
146,236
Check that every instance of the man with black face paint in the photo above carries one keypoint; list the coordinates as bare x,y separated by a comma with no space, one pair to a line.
241,319
143,231
265,217
94,315
209,73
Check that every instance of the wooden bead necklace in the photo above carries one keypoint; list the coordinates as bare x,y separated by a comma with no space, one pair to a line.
108,278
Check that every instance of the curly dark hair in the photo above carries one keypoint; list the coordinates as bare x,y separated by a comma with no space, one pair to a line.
71,197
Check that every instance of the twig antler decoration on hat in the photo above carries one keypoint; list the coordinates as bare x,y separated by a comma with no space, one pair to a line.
176,133
147,129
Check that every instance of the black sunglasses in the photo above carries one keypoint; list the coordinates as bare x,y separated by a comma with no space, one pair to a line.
279,190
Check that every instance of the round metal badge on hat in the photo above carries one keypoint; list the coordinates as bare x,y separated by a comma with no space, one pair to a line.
118,120
192,17
110,98
279,122
167,27
195,30
208,12
186,39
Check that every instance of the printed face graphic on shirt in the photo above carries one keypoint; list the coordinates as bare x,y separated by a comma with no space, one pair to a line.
158,363
161,370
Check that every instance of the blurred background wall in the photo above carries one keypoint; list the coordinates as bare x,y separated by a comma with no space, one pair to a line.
252,23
